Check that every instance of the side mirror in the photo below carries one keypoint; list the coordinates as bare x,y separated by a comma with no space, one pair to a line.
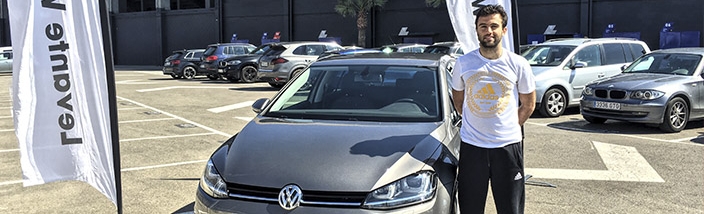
623,67
578,64
259,105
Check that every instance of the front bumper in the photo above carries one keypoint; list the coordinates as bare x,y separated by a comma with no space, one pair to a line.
440,204
638,112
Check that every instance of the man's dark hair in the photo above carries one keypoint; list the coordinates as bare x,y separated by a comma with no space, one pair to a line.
492,9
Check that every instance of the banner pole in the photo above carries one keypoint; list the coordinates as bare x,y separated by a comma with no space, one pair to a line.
112,100
516,27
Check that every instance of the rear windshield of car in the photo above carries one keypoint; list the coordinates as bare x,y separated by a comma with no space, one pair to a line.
362,93
175,55
547,55
210,51
666,63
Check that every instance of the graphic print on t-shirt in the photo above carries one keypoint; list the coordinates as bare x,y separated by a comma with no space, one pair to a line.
488,95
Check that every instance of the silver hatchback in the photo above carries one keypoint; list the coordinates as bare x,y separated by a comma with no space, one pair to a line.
663,88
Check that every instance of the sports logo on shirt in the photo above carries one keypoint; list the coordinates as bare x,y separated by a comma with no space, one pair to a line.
488,94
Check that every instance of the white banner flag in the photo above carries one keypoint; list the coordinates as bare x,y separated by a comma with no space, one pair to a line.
462,18
59,93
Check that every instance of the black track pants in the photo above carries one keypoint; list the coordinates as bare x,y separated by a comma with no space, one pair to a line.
503,166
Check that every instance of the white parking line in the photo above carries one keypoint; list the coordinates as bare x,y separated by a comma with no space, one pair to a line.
162,165
231,107
10,182
181,87
4,183
164,137
7,130
3,117
177,117
133,108
244,118
148,120
9,150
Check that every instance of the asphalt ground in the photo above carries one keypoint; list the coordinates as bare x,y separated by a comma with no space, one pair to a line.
168,129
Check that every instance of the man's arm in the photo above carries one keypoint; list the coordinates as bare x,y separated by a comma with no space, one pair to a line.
458,99
526,108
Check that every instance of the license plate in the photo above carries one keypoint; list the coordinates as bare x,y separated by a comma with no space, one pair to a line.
607,105
222,71
202,66
264,64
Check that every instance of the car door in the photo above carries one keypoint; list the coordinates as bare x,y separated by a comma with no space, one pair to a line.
586,65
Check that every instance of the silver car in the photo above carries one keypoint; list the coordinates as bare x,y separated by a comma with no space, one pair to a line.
5,59
663,88
370,133
287,59
563,67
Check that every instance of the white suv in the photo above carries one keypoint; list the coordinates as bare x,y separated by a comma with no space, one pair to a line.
563,67
285,60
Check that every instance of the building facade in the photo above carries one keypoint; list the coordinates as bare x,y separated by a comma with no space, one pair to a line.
144,32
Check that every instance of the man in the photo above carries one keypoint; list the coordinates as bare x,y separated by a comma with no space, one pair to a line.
494,90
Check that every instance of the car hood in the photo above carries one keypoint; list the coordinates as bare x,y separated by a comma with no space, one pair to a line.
327,155
638,80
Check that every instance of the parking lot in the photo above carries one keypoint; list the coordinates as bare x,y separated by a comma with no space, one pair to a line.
168,129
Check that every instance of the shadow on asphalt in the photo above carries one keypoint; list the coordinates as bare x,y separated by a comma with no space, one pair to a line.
186,209
263,88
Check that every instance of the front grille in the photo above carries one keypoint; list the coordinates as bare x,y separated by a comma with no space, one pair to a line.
610,94
310,198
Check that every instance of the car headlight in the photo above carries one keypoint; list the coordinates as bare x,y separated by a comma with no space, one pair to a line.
588,91
413,189
234,62
212,183
646,94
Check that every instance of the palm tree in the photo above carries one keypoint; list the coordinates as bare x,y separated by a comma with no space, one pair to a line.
361,9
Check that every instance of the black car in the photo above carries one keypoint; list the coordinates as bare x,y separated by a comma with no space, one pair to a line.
215,53
183,64
244,68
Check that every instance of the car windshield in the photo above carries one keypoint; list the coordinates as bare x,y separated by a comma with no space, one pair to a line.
361,93
666,63
547,55
437,50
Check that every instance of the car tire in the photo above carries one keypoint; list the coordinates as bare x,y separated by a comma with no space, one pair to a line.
214,77
189,72
594,120
554,103
175,76
248,74
676,116
296,72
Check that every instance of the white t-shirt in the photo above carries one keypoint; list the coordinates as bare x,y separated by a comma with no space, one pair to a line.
491,87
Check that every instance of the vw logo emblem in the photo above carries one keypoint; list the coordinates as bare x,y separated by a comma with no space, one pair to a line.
290,197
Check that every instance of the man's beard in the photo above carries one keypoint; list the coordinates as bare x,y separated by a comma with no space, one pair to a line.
485,44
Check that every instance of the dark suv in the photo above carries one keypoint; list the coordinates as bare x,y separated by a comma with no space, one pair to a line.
244,68
216,53
183,64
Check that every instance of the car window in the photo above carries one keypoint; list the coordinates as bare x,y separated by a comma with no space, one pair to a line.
547,55
332,48
591,55
637,50
240,50
175,55
614,54
315,50
197,54
666,63
361,92
210,51
300,50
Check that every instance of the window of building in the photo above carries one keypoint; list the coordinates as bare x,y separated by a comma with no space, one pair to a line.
137,5
189,4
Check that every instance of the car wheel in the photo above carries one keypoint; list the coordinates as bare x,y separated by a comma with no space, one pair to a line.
676,116
276,85
553,104
248,74
296,73
189,72
595,120
175,76
214,77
